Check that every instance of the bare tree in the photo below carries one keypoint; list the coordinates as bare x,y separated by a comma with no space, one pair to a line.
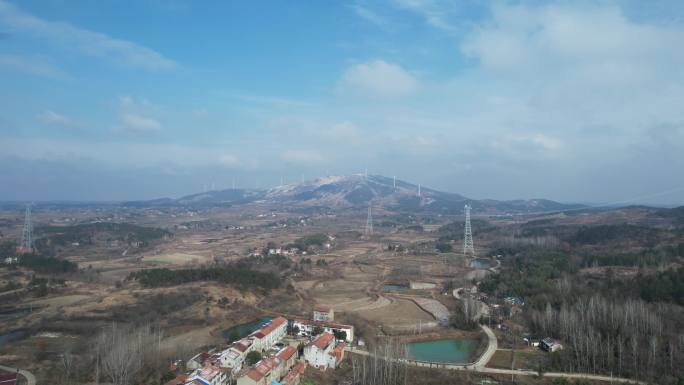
386,365
67,365
122,352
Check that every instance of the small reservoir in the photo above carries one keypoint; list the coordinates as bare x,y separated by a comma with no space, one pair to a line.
394,287
243,330
481,264
451,351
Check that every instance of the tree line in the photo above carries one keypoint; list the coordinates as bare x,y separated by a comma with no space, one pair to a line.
243,278
628,338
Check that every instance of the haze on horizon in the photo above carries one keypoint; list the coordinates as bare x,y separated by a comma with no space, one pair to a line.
571,101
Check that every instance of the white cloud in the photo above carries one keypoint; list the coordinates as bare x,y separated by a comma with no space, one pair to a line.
53,118
346,132
370,16
140,124
136,117
34,65
378,79
594,44
229,161
88,42
436,13
304,157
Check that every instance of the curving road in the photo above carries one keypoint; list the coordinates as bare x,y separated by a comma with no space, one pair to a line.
30,378
492,346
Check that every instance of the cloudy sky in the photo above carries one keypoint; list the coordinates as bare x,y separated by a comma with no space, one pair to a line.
573,101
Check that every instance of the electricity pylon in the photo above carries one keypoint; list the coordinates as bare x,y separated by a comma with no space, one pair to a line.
468,247
27,233
369,220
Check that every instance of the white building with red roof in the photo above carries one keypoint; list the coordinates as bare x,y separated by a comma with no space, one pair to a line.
324,352
306,328
323,313
207,375
235,355
271,333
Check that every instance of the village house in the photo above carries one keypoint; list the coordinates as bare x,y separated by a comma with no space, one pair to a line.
268,335
293,377
550,345
282,368
324,352
323,313
208,375
198,360
235,355
306,328
288,356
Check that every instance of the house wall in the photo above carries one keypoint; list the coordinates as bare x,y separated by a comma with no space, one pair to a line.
316,357
246,380
308,328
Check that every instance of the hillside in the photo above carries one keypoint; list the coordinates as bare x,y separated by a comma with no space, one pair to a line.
358,190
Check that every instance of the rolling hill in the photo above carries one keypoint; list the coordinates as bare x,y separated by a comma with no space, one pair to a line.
358,190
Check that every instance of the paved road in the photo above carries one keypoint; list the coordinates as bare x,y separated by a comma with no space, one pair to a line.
30,378
492,345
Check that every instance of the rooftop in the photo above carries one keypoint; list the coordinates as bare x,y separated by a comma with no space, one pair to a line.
323,340
322,308
273,325
285,353
333,325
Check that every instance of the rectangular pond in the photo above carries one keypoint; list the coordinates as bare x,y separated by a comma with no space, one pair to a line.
394,287
452,350
239,331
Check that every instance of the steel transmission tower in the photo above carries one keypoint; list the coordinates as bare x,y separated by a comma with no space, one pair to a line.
468,247
369,221
27,233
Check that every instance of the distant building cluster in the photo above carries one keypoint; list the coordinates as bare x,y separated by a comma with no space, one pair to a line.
279,360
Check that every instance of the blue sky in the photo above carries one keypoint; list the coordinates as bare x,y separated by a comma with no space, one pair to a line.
574,101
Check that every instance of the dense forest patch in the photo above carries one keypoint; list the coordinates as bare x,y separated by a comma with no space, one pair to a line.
233,275
87,233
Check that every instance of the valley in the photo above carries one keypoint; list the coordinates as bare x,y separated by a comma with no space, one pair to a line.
192,271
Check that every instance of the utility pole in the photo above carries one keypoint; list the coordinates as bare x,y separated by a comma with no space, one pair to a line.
394,182
418,189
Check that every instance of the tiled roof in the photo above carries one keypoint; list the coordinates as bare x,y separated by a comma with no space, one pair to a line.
208,372
292,375
285,353
323,340
273,325
255,374
259,334
322,308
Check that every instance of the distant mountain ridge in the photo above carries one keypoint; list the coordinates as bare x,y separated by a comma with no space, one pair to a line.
359,190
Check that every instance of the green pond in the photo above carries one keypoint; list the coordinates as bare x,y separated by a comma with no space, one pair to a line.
451,350
394,287
481,263
243,330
